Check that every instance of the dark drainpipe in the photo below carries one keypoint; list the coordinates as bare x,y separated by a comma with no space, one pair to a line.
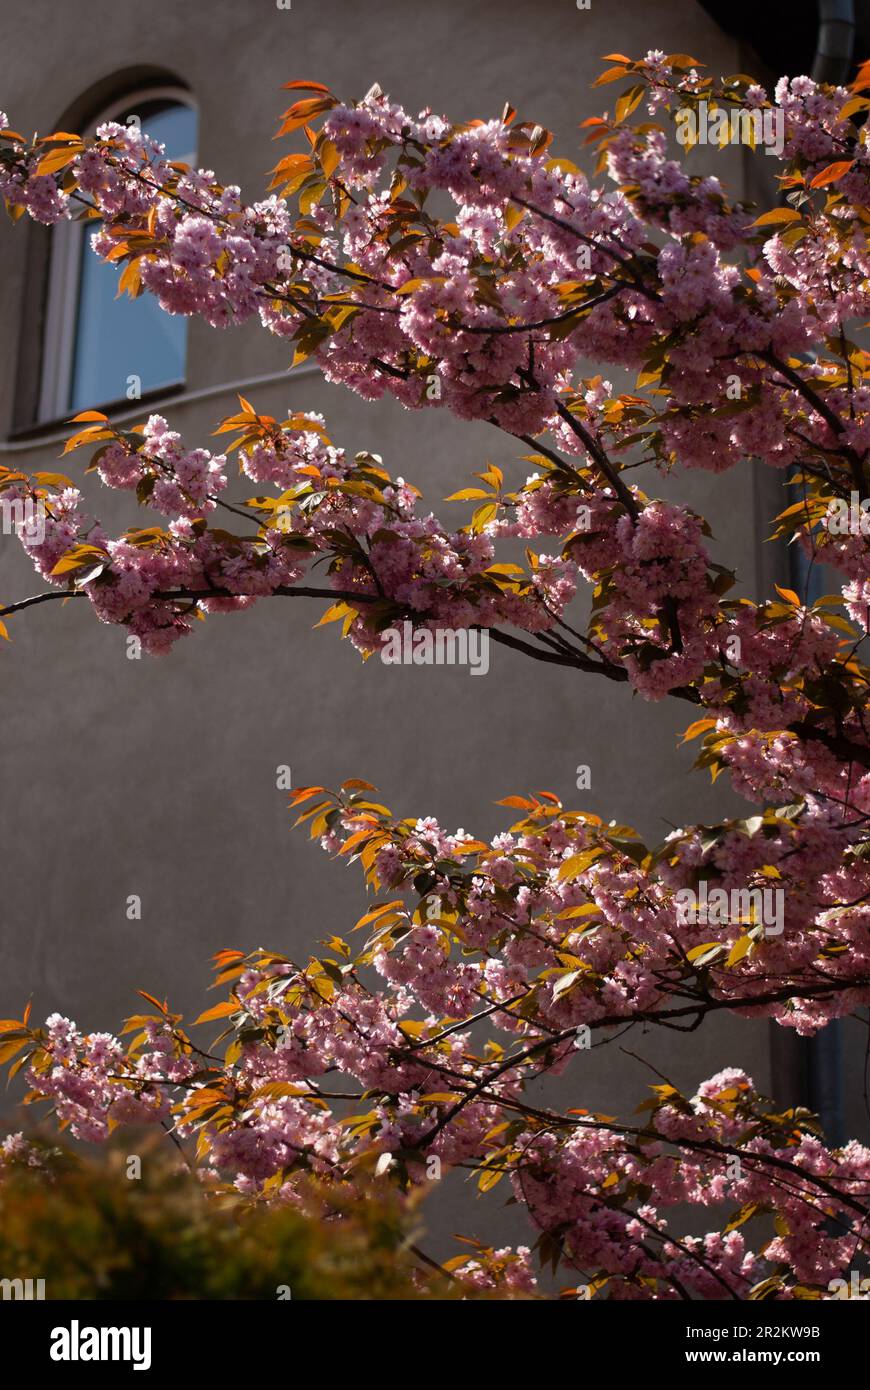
823,1057
835,42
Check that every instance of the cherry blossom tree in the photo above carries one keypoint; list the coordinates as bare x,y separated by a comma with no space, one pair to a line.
490,965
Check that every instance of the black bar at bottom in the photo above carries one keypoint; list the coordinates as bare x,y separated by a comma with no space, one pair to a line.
69,1340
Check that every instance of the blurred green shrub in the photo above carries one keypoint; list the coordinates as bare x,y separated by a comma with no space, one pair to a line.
94,1233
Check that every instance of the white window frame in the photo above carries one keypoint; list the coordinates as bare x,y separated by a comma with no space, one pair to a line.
64,275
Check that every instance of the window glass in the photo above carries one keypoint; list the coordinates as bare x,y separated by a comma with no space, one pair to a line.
118,338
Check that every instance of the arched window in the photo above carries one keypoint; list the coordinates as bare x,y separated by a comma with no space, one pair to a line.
98,348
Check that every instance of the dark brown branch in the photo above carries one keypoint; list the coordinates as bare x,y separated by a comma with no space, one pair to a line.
595,451
842,747
820,405
40,598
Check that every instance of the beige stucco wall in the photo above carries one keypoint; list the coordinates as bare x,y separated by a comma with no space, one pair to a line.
157,777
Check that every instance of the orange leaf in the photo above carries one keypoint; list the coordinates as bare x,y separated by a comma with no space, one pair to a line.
832,173
130,281
57,159
789,595
379,910
700,726
333,614
229,1006
301,112
357,838
329,158
152,1000
222,958
304,794
610,75
89,436
777,215
304,87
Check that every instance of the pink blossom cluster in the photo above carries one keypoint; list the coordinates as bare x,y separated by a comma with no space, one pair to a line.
740,331
630,948
388,559
467,298
587,1185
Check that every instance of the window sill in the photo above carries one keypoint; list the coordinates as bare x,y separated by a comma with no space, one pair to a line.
36,431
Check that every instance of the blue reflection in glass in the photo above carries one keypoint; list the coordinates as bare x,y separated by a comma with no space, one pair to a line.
117,338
